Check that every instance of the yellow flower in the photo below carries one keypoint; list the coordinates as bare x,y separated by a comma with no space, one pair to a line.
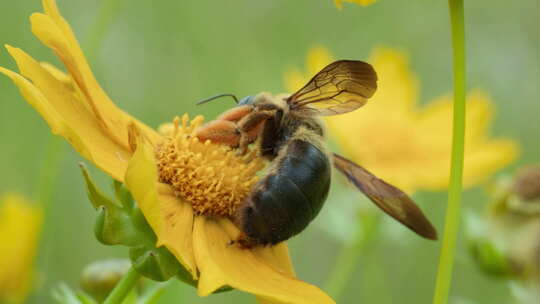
339,3
76,107
404,143
20,224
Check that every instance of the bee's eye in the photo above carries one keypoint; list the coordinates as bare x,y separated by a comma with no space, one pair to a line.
246,100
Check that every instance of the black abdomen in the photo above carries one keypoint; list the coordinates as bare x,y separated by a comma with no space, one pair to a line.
289,197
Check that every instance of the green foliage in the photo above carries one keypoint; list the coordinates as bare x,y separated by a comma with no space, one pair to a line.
120,222
490,258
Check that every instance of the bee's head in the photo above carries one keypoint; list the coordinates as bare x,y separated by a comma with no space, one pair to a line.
247,100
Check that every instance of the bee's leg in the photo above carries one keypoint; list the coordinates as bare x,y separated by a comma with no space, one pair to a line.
220,131
244,242
224,129
236,113
250,127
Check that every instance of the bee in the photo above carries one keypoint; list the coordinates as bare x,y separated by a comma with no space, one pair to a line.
290,134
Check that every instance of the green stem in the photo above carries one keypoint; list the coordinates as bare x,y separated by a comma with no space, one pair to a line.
349,256
122,289
446,261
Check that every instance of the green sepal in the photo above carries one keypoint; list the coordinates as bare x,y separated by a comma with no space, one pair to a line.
186,277
113,226
119,221
157,264
490,259
97,198
100,277
123,195
114,223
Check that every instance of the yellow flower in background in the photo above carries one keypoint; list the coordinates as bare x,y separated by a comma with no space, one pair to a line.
20,226
339,3
181,203
406,144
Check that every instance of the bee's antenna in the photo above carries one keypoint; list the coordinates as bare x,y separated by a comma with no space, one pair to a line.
216,97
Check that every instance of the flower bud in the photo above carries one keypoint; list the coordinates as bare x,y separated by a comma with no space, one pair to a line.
100,277
490,258
508,241
527,184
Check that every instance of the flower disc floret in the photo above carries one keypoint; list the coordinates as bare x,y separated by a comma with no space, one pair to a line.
213,178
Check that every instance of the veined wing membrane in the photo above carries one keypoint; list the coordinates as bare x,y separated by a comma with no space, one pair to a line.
340,87
390,199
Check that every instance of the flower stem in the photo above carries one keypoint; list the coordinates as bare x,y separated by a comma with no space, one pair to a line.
349,256
123,287
446,261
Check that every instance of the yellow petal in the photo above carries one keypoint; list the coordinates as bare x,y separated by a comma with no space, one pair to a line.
487,159
59,75
393,137
318,57
55,120
248,270
55,32
177,229
483,155
66,116
480,113
397,86
170,218
20,225
294,80
278,257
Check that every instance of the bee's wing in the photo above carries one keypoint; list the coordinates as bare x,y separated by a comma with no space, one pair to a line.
340,87
387,197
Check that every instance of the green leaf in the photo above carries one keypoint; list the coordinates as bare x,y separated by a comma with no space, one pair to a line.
97,198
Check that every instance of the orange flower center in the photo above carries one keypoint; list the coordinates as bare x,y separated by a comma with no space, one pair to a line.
211,177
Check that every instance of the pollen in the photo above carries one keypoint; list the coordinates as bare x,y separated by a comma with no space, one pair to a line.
213,178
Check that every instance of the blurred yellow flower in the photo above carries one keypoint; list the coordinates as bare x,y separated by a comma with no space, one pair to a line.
76,107
339,3
404,143
20,225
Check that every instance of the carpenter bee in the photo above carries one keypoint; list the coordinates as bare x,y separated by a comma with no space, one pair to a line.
291,136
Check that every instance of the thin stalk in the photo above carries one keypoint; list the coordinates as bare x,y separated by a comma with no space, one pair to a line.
451,227
123,288
350,255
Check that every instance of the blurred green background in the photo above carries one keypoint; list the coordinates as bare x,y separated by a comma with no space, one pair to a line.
157,58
